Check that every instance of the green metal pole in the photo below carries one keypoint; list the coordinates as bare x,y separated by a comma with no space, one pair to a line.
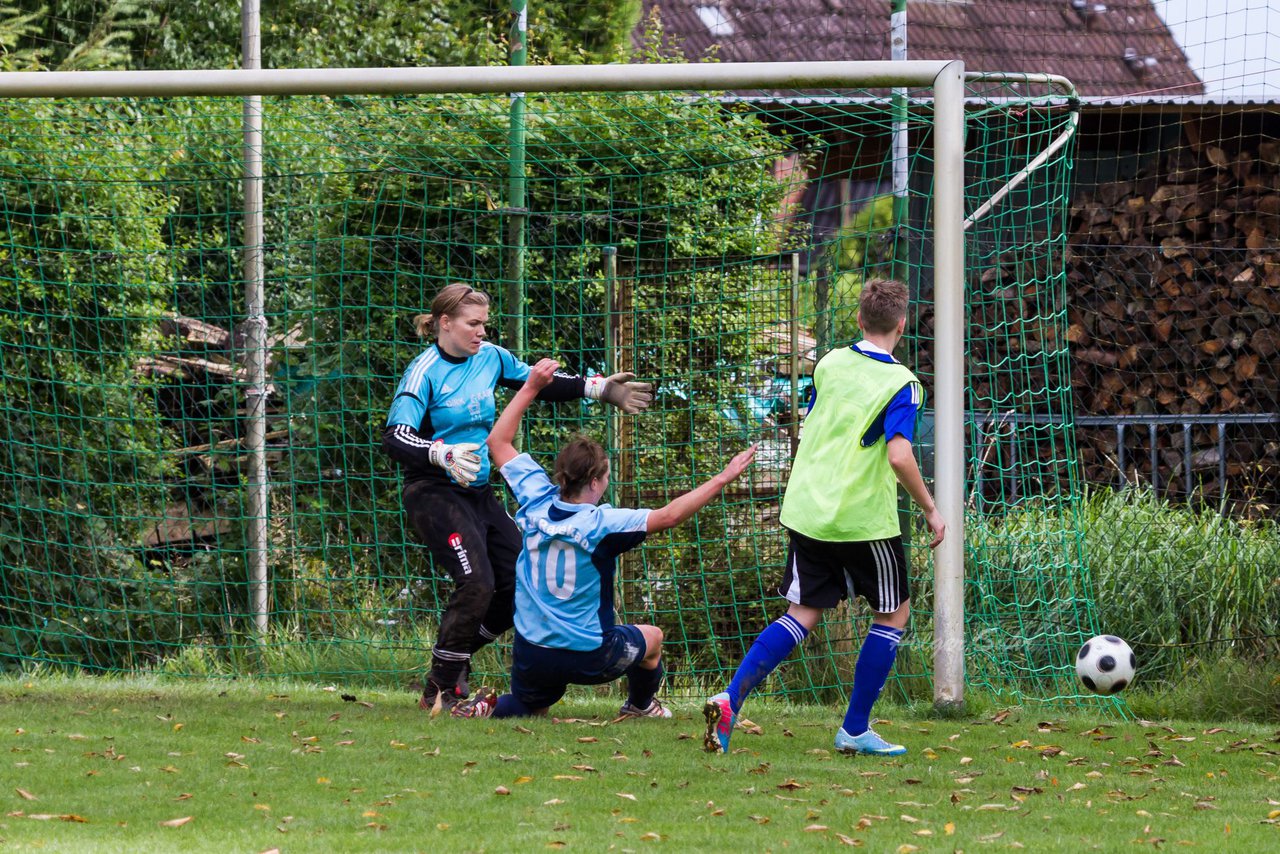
901,214
517,212
609,257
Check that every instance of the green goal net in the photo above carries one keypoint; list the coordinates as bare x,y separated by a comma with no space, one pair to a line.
713,243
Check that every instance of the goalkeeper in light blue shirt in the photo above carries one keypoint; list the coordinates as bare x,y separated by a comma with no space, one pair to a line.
564,620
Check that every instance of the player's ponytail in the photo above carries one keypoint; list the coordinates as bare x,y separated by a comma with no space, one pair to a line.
579,462
447,302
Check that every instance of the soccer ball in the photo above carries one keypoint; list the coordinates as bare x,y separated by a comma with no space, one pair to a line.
1105,664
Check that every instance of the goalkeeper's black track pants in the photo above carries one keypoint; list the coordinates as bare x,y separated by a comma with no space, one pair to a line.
472,538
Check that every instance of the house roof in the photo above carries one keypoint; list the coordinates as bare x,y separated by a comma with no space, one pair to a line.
1112,49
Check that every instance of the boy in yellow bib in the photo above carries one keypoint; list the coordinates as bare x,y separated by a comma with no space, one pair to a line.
840,510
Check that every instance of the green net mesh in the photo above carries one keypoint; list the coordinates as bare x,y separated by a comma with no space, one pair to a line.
713,244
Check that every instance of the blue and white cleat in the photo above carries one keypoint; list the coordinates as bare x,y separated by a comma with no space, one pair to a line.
720,722
868,744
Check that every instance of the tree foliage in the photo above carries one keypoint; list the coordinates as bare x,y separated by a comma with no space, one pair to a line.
171,34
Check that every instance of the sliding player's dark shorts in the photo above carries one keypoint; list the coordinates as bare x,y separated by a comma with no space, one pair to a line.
820,574
540,675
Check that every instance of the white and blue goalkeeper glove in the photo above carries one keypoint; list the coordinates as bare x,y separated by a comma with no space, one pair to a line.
460,461
621,391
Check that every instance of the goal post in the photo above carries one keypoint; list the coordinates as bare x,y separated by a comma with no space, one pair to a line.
946,80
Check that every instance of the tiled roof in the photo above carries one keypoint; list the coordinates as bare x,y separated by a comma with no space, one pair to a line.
989,35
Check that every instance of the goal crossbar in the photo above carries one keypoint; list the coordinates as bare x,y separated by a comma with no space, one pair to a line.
475,80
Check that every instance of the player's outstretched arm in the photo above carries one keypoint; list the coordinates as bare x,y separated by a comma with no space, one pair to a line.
502,438
903,461
682,508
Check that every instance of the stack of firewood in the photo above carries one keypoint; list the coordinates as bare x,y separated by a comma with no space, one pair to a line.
1173,308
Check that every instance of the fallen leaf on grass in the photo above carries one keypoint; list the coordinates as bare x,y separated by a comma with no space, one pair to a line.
791,784
178,822
626,795
760,819
849,840
587,739
750,728
651,837
25,795
502,790
816,828
185,796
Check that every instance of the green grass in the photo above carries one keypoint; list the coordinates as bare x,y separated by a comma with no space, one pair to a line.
260,766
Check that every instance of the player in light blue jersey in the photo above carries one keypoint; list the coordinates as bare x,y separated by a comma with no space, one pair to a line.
439,418
565,628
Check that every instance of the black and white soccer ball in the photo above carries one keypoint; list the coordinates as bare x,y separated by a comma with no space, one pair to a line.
1106,664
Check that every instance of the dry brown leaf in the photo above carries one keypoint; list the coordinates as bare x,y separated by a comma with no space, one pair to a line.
626,795
178,822
25,795
791,784
587,739
651,837
502,790
816,828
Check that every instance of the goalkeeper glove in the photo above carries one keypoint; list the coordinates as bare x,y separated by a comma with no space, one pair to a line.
460,461
619,390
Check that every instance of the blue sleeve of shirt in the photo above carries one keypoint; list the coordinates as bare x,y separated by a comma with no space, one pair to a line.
511,371
623,530
529,483
407,409
901,413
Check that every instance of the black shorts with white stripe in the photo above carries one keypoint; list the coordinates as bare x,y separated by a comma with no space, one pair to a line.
820,574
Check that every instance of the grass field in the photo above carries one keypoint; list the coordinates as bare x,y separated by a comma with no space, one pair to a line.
136,765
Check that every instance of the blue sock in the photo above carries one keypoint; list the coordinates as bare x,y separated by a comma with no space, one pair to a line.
642,684
869,675
510,707
770,649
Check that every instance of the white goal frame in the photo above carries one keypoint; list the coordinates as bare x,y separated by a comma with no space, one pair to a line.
946,78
